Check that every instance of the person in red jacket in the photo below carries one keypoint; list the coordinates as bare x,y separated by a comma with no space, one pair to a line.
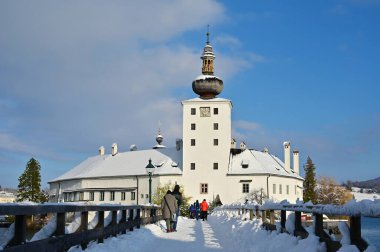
204,208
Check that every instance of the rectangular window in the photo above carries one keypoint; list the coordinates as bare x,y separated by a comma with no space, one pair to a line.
216,142
193,111
216,111
146,196
245,188
112,196
216,126
280,189
133,196
287,189
92,196
101,196
193,126
204,188
274,188
122,195
142,196
215,166
81,196
192,142
192,166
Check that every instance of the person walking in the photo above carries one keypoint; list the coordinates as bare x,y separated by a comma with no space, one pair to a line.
196,209
169,207
204,208
178,197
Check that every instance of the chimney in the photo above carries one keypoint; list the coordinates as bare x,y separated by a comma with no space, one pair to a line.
114,149
242,146
233,143
133,147
101,150
266,150
296,162
287,156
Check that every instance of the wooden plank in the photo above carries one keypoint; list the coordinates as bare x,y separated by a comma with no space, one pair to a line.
20,230
283,220
356,233
100,226
123,219
130,218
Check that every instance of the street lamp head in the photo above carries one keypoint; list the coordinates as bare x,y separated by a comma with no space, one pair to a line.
150,167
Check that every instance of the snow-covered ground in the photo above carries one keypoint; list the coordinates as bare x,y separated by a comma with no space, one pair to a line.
224,231
364,195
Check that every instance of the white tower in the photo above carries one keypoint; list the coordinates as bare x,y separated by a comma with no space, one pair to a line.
206,134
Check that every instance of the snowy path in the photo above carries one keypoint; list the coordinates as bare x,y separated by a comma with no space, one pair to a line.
222,232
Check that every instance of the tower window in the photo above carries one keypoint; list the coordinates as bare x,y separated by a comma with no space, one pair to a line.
280,189
112,196
216,126
101,196
274,188
192,142
287,189
193,111
215,166
216,142
204,188
192,166
193,126
245,188
92,196
216,111
122,195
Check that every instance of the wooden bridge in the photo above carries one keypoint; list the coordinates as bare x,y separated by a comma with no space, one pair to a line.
127,218
131,217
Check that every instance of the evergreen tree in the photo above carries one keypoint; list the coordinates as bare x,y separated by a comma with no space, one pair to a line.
309,184
29,186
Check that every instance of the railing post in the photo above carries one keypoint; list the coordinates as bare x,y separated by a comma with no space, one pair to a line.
152,215
318,225
61,221
239,211
257,212
123,219
84,226
250,214
130,219
356,234
271,217
114,223
263,217
297,222
20,229
100,225
283,220
138,218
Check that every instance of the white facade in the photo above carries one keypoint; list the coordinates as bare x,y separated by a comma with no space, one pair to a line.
206,164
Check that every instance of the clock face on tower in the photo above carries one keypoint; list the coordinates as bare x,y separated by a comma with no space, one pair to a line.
205,112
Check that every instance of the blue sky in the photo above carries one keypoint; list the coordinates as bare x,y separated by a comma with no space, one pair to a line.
78,75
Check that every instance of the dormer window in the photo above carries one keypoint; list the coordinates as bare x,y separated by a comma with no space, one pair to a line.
245,163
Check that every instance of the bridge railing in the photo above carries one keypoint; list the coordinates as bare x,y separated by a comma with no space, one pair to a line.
121,218
353,212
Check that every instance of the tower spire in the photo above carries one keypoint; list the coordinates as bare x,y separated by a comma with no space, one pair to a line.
208,35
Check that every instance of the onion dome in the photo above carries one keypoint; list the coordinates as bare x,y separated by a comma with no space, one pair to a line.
207,85
159,139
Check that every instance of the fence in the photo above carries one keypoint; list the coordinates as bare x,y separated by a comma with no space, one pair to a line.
267,214
131,217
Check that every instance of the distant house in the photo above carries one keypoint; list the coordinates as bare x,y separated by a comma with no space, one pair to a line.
206,161
7,197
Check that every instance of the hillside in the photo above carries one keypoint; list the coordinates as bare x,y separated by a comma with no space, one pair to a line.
369,184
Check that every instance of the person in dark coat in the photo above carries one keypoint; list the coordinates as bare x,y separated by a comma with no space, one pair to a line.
169,207
196,209
191,211
178,196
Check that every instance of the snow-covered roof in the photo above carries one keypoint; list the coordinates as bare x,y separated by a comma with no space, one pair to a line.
257,162
206,76
166,160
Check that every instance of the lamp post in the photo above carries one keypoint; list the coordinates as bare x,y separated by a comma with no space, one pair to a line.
150,169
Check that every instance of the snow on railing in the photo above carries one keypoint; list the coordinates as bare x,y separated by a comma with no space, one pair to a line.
352,208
